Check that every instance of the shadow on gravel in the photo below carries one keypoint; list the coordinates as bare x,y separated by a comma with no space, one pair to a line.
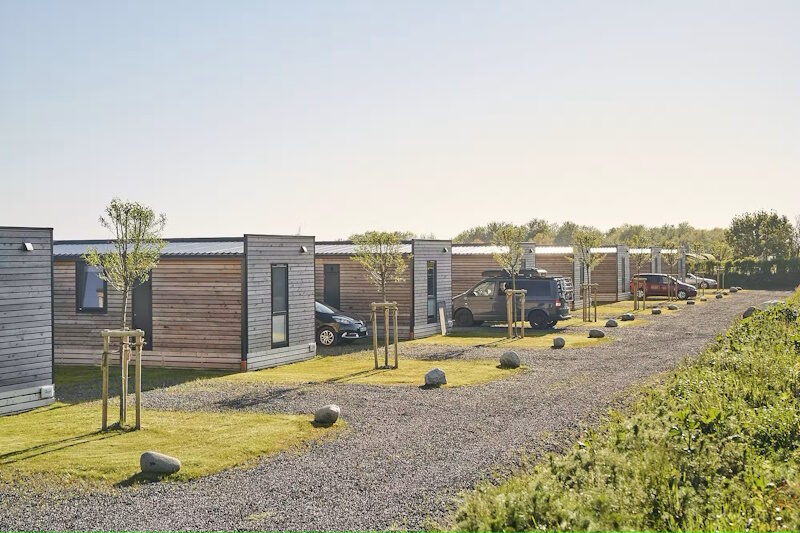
140,479
264,398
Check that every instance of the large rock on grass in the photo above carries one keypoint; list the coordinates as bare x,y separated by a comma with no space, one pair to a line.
672,307
596,334
327,415
656,310
611,323
435,378
509,359
158,463
690,302
734,290
749,312
718,296
627,317
559,342
703,299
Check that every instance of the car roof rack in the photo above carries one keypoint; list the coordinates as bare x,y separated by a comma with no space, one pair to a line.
526,273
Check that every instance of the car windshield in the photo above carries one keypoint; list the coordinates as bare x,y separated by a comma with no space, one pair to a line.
322,308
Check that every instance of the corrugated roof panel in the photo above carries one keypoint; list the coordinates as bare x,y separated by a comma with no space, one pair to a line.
478,249
174,248
547,250
348,249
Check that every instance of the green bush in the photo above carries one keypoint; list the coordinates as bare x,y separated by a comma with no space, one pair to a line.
752,273
714,448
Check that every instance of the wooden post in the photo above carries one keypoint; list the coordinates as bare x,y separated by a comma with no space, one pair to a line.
386,336
138,384
375,334
509,300
522,318
395,336
123,398
104,367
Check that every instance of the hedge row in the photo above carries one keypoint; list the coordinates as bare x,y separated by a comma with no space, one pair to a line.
714,448
761,274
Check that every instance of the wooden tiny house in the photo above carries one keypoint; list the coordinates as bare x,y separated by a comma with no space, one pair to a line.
229,303
471,260
427,284
26,319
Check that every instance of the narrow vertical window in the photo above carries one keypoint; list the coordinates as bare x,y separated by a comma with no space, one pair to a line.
280,306
432,318
90,290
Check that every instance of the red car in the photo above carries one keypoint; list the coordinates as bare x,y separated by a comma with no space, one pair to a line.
658,284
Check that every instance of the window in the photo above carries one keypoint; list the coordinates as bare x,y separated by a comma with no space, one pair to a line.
484,289
536,288
432,318
91,292
280,306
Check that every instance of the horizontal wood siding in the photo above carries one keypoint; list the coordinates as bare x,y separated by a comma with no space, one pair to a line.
196,315
422,252
467,270
556,264
26,326
605,275
357,292
261,252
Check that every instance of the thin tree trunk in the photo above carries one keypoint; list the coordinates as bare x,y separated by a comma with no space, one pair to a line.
123,363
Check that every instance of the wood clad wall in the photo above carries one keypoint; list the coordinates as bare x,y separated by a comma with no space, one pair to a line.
196,315
357,292
197,312
556,264
605,275
261,252
467,270
422,252
26,328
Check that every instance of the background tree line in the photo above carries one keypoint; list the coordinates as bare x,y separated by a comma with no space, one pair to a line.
762,234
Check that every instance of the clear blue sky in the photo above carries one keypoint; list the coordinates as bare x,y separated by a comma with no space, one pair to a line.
432,116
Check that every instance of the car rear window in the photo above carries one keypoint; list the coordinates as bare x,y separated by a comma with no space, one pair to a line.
537,287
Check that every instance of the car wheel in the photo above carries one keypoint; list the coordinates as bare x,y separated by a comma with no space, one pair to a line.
682,294
538,319
463,318
326,336
704,285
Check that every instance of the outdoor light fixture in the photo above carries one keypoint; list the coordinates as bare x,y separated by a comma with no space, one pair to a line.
303,250
27,246
444,250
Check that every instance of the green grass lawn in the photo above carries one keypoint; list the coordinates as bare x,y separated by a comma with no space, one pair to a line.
63,442
359,368
83,383
496,338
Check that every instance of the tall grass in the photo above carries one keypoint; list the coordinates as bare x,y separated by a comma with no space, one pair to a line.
715,448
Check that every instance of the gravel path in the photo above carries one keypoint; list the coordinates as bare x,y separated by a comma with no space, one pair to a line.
408,452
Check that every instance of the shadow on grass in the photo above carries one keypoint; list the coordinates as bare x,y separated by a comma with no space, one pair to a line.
76,384
251,400
57,445
141,478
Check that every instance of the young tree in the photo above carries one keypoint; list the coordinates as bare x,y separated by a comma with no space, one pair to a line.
136,247
723,254
510,237
638,241
584,241
762,234
381,255
669,254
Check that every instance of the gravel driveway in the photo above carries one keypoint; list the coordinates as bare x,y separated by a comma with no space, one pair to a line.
408,452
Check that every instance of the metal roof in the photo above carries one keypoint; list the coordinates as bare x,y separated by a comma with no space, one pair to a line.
478,249
348,248
183,247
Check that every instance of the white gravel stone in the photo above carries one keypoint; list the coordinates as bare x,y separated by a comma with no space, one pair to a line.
327,415
435,378
509,359
158,463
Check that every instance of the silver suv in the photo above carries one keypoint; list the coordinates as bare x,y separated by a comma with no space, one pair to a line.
546,301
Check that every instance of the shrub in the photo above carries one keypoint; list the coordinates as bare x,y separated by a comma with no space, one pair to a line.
754,273
714,448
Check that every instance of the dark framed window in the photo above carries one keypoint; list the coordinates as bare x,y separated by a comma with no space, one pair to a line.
431,270
91,292
280,306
